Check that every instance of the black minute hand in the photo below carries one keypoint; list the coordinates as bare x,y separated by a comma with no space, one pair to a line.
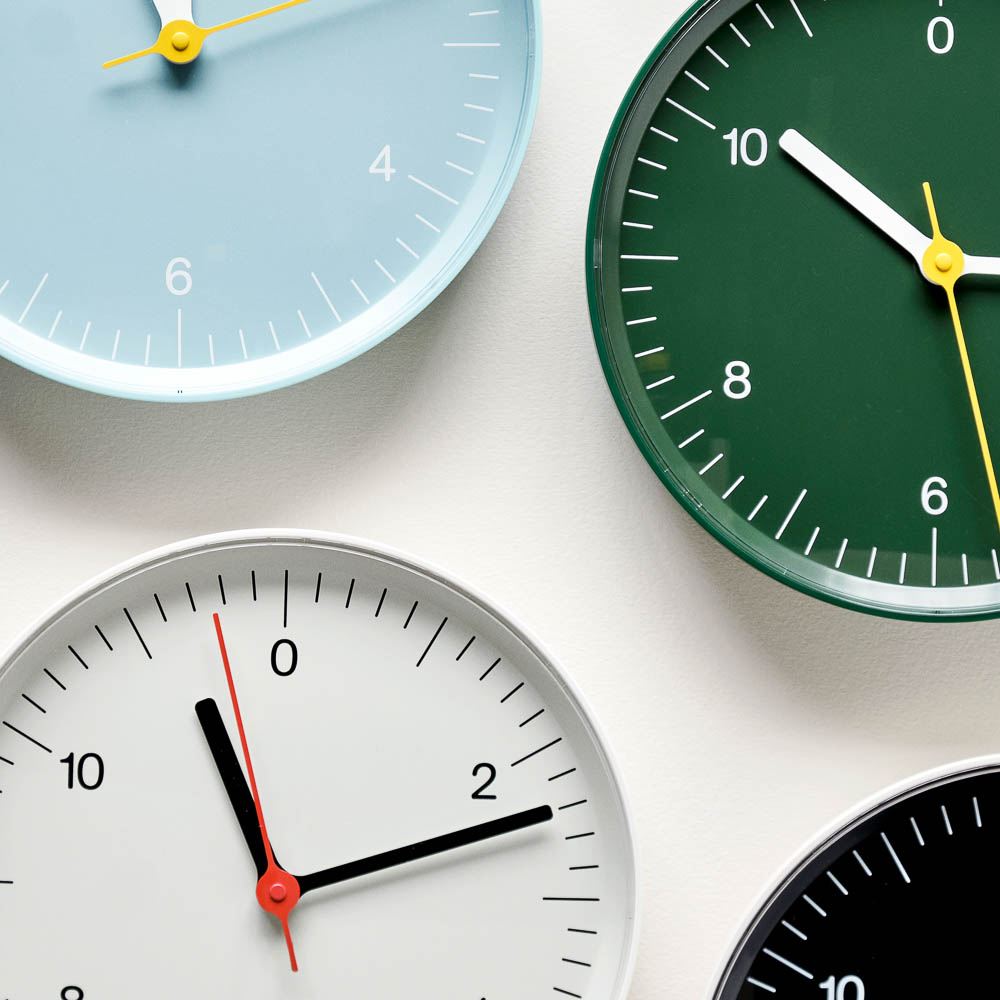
232,780
436,845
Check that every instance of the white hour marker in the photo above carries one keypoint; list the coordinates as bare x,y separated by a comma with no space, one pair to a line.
760,506
840,554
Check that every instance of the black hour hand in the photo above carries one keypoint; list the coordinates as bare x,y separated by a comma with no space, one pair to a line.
233,780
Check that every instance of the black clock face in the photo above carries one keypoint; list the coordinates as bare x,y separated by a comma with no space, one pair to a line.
896,904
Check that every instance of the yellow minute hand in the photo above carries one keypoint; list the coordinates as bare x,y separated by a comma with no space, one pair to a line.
181,41
943,264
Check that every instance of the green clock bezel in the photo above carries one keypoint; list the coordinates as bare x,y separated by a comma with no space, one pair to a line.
732,530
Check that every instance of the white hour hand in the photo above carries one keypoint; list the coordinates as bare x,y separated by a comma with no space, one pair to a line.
173,10
981,265
876,211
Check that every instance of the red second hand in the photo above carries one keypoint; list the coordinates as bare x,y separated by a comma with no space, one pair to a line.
277,891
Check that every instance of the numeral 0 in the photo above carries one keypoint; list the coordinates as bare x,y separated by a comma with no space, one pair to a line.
836,989
933,497
88,777
933,34
179,280
293,658
71,993
742,149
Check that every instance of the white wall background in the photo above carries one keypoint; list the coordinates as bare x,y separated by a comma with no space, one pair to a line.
484,439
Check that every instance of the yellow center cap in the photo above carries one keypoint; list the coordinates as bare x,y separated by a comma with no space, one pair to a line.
944,262
180,40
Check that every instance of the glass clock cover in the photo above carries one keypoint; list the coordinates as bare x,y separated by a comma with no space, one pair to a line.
772,285
445,804
268,210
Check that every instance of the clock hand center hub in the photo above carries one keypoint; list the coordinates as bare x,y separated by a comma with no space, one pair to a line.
180,41
278,892
943,262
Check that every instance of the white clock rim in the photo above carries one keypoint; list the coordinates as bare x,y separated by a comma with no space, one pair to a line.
315,357
363,547
830,832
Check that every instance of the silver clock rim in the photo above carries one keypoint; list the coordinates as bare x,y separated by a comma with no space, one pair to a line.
128,381
362,547
847,820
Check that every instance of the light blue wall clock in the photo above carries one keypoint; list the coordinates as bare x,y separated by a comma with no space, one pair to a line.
238,209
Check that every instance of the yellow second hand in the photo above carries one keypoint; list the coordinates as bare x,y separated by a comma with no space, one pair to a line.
943,264
181,41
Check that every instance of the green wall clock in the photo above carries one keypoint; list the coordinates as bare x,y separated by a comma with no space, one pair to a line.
793,298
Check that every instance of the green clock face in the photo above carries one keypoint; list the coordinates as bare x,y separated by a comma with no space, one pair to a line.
809,365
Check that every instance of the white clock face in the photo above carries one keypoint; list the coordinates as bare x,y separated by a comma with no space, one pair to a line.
445,802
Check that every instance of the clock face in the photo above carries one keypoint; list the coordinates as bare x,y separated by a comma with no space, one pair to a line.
903,880
431,780
283,202
770,315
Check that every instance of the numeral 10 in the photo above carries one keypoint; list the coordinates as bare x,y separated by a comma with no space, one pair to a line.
836,989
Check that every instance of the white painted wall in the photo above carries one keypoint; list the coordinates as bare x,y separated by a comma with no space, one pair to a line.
483,438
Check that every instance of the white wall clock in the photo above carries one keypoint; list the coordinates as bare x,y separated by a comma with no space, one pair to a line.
442,816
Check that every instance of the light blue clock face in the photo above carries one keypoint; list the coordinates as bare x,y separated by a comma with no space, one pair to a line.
275,207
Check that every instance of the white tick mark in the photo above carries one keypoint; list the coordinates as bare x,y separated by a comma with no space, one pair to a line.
664,135
326,299
794,930
413,253
895,858
732,489
357,288
787,963
791,514
31,301
305,325
718,58
758,508
840,555
381,267
684,406
812,540
740,35
715,461
433,190
690,113
795,7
